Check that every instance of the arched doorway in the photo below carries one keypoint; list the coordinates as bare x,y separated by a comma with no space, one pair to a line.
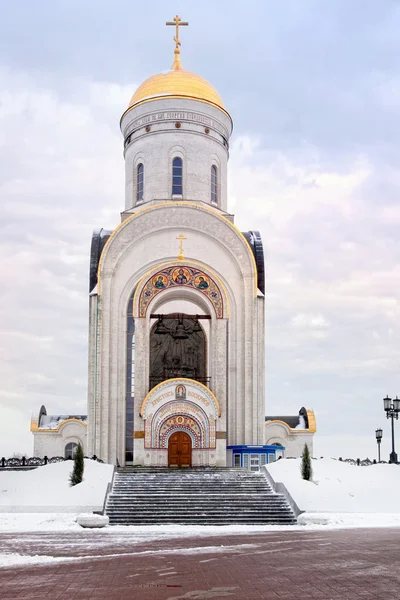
180,450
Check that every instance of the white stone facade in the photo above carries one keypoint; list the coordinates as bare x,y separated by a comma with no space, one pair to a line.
142,244
293,440
52,442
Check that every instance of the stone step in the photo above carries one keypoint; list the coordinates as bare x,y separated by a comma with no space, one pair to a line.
192,486
190,489
204,521
215,500
200,513
227,480
196,484
214,496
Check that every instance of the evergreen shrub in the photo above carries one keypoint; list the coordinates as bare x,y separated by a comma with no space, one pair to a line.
79,465
306,468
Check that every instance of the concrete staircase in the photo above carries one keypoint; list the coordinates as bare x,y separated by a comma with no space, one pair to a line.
198,496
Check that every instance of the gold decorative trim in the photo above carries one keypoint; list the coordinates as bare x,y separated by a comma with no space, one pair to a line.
35,427
220,435
138,435
291,429
190,381
177,203
312,423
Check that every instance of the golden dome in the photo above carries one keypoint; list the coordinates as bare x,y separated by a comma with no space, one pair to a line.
176,83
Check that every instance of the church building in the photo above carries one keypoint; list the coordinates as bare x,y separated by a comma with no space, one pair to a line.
177,299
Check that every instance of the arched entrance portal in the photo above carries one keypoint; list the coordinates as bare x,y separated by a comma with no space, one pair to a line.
179,450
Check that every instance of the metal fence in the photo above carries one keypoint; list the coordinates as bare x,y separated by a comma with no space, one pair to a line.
360,462
36,461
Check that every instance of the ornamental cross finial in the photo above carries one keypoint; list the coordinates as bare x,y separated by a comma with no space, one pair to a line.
178,23
181,237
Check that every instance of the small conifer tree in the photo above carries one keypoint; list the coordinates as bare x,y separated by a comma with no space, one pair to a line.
306,468
79,465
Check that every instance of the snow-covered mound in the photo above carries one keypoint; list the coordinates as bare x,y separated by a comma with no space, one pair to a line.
47,489
340,487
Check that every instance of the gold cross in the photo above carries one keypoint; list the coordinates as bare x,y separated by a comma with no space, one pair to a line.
181,237
178,23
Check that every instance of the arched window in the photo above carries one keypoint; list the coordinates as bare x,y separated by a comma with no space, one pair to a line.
70,449
177,173
139,183
214,182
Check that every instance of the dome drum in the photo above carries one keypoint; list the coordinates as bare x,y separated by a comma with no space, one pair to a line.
152,138
167,120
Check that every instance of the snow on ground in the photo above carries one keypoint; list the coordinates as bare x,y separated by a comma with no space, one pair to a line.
339,487
47,489
340,495
14,559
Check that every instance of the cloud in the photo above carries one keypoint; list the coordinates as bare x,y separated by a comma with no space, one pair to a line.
313,166
332,260
307,321
61,176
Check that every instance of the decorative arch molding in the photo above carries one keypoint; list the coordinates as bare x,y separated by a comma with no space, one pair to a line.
178,276
180,405
172,418
180,416
168,390
133,227
187,430
35,426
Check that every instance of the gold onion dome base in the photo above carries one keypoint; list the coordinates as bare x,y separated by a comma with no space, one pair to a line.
176,83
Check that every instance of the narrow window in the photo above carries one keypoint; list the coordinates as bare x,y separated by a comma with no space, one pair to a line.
139,183
70,449
130,383
177,172
214,182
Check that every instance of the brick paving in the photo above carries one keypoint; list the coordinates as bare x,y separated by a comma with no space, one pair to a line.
298,565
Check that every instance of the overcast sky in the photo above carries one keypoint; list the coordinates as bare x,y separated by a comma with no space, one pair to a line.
314,91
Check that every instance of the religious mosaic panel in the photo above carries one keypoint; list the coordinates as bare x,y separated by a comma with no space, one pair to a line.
181,276
180,405
180,423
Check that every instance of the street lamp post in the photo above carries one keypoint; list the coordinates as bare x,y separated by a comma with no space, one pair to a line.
378,435
392,409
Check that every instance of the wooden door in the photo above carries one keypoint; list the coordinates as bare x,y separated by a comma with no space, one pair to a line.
180,450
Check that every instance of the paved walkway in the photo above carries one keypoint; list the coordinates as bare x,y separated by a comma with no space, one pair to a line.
330,565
